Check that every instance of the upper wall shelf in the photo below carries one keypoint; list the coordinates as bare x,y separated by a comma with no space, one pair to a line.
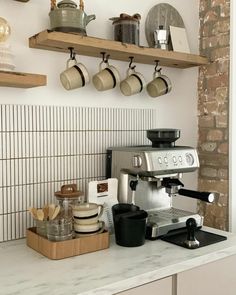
90,46
21,80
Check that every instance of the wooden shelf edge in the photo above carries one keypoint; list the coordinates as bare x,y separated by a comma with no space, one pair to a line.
91,46
22,80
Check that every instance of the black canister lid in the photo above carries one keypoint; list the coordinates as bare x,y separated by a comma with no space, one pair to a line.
164,137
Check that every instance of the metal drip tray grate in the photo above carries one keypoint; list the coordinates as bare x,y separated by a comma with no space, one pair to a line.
167,215
160,222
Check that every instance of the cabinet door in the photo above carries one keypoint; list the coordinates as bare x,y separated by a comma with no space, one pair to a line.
215,278
160,287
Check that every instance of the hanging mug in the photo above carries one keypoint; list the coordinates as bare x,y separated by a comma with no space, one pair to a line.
160,85
75,76
106,78
133,84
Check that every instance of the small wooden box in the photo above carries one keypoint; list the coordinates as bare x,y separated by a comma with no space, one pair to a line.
64,249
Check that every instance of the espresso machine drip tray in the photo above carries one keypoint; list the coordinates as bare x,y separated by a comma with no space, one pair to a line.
178,237
160,222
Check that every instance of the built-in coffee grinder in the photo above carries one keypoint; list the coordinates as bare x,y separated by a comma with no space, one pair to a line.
149,177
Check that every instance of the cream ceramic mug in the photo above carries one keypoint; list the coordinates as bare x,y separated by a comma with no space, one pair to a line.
75,76
107,78
133,84
87,213
160,85
89,229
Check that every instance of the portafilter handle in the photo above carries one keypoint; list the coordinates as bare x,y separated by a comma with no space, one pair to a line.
208,197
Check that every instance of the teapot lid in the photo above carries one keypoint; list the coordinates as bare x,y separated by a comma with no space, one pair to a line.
67,3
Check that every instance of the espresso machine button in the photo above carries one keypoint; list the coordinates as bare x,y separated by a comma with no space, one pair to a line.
166,160
137,161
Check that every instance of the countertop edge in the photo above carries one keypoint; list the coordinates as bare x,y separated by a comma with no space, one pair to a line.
158,274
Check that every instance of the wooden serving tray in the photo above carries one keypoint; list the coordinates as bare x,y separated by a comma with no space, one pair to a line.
69,248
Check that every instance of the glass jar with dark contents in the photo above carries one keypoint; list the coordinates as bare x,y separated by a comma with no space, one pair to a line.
126,28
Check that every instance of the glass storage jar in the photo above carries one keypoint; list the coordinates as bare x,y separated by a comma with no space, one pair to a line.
67,197
126,28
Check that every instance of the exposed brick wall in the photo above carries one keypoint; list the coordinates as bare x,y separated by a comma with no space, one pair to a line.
213,109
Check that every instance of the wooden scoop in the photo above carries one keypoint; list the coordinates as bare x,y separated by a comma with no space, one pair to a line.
51,209
56,211
46,212
33,212
40,214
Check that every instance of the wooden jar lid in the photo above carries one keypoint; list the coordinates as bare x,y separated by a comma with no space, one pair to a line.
69,191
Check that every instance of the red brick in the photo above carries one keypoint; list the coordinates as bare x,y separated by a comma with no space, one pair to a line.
210,16
222,121
215,135
206,121
221,94
223,148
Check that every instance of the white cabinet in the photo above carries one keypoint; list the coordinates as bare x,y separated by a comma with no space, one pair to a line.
160,287
214,278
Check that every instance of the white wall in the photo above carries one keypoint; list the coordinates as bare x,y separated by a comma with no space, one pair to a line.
175,110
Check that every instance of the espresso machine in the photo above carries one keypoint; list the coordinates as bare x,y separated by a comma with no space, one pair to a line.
150,176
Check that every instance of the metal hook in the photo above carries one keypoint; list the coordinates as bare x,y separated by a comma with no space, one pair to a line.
105,58
72,53
130,64
157,64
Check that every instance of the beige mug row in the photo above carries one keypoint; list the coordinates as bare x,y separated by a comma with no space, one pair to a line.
108,77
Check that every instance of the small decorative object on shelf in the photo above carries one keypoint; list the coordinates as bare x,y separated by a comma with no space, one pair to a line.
6,57
126,28
65,17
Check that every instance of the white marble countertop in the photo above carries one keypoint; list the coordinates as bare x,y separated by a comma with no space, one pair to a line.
24,271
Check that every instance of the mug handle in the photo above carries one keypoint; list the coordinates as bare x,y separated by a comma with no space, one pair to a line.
130,72
101,65
102,227
100,211
156,74
68,62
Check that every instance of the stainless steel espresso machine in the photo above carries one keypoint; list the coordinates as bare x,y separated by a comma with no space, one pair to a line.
149,177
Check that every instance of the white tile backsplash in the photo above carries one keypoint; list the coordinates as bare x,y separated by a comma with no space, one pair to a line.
44,147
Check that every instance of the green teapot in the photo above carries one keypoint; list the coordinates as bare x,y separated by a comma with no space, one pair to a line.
65,17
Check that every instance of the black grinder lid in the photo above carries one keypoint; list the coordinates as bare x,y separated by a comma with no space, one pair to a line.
163,138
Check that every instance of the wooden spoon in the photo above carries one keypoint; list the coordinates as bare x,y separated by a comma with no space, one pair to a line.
33,212
40,214
46,212
51,210
56,211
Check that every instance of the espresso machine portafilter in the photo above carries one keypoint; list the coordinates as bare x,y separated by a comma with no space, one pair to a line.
149,176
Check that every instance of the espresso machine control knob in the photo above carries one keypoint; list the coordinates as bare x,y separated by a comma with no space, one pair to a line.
137,161
189,159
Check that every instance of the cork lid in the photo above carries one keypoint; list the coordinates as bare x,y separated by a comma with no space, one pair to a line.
69,191
123,16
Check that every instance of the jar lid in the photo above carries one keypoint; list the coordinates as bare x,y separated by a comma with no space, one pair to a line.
69,191
123,16
67,3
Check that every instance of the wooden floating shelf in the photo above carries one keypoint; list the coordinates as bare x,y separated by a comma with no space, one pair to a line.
90,46
21,80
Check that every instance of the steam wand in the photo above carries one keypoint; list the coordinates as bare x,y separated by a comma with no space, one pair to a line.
133,185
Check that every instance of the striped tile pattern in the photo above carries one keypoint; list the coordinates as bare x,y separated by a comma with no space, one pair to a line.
44,147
